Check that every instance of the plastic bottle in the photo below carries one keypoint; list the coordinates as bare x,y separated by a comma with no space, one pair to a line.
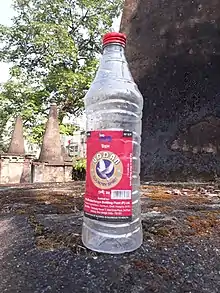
112,212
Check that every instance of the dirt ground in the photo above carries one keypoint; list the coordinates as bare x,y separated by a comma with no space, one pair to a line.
41,248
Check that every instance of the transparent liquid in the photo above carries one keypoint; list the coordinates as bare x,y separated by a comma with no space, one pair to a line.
115,103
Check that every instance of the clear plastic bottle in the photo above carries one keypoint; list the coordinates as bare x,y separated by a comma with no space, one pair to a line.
112,211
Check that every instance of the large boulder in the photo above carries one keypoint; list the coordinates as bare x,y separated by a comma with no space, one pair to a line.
174,54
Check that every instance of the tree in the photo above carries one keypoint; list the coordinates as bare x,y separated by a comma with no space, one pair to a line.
53,46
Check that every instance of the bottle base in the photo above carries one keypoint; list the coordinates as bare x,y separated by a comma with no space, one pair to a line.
108,245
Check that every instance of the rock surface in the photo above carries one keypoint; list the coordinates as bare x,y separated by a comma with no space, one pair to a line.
173,51
41,249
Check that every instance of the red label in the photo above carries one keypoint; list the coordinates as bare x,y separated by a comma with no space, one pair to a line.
109,173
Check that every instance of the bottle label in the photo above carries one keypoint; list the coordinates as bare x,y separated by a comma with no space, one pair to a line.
108,194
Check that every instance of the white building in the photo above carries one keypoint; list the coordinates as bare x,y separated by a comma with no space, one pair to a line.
76,143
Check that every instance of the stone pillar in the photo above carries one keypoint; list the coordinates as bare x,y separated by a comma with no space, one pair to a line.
15,166
16,146
173,51
53,164
51,150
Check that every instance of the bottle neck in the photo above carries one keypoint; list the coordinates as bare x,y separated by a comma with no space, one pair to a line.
113,49
113,63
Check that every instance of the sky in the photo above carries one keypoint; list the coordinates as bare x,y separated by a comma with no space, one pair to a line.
6,13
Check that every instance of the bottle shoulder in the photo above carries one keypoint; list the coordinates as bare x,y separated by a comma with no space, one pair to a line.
112,87
114,96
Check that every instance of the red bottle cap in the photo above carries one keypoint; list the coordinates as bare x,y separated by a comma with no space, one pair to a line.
117,38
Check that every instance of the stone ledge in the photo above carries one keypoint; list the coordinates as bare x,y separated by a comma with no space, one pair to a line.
44,172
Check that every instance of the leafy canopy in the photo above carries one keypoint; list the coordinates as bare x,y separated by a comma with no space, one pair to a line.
53,46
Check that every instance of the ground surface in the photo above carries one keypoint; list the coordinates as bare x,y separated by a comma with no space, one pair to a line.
41,249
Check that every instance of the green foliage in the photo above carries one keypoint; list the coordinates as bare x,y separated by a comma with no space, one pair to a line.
67,129
80,164
5,129
79,169
53,46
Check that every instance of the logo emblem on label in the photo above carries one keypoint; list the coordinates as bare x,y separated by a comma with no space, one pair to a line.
106,170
